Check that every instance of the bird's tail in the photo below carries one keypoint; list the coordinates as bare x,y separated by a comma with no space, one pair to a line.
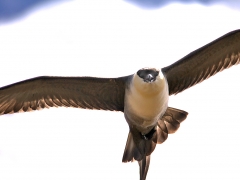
139,147
143,166
142,155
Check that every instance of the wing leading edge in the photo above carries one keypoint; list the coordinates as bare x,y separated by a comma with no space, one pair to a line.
203,63
80,92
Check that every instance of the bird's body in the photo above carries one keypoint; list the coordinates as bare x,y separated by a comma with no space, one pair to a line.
142,97
145,103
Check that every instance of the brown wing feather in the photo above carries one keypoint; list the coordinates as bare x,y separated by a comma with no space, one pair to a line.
80,92
204,62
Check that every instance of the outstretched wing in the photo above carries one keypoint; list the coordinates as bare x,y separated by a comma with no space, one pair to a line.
80,92
203,63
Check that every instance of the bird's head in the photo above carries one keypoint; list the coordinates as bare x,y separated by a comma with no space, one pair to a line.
148,81
148,75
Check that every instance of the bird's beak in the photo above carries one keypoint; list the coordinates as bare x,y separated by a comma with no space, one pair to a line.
149,78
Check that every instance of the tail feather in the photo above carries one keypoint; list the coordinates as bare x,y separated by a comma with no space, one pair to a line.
172,118
169,123
143,166
139,147
128,154
132,153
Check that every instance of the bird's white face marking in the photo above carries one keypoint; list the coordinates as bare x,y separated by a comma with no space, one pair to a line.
146,100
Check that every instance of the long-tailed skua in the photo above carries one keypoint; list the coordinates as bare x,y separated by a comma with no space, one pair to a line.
142,97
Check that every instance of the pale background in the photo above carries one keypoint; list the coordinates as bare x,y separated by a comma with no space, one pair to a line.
110,39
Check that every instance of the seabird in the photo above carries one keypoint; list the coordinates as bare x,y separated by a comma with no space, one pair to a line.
142,97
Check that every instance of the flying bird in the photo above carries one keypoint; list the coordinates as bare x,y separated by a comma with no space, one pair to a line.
142,97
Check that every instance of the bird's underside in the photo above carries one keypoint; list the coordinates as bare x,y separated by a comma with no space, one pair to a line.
109,93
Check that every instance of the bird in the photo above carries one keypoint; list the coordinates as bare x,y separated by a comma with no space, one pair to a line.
142,96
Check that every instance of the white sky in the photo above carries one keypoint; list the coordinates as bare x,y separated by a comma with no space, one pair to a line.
111,39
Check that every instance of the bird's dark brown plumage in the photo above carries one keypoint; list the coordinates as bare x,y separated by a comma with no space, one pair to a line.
203,63
80,92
